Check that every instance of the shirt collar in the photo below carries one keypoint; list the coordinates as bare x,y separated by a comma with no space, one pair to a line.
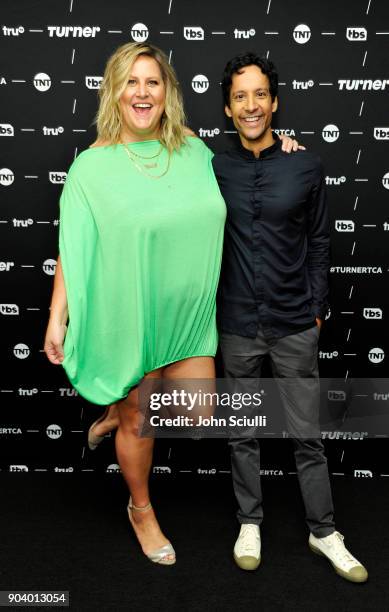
274,148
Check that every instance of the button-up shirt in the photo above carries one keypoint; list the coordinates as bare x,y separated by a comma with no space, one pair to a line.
276,250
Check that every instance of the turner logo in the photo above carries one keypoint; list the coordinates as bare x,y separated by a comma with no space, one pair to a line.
333,180
6,177
47,131
330,132
9,309
208,133
12,31
244,33
363,84
372,313
356,34
49,266
42,81
302,33
193,33
381,133
139,32
6,129
376,355
302,84
363,474
57,178
18,468
53,431
336,396
385,180
200,83
73,31
21,351
342,225
93,82
5,266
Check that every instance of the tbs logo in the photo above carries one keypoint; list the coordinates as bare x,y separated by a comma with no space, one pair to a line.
57,178
356,34
302,33
372,313
336,396
93,82
6,129
9,309
342,225
381,133
200,83
363,474
193,33
376,355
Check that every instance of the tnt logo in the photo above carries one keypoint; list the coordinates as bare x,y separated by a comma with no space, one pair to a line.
302,84
42,81
356,34
385,180
244,33
9,309
49,266
302,33
6,177
381,133
93,82
209,133
372,313
344,226
376,355
200,83
21,351
6,129
193,33
330,133
113,468
336,396
139,32
363,474
53,432
57,178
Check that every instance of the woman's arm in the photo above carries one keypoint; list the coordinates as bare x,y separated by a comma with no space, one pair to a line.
56,328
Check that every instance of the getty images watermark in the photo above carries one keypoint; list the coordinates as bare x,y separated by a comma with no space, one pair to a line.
332,409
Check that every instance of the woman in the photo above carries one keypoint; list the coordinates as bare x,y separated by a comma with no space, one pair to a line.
141,230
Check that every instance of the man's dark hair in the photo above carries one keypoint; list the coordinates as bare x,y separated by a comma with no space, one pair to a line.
242,60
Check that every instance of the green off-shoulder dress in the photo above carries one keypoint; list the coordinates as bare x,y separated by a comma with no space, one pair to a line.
141,260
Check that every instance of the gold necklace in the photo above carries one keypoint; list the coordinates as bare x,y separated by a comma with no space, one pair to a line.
144,156
142,170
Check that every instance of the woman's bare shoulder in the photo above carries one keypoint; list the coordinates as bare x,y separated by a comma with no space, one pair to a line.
99,143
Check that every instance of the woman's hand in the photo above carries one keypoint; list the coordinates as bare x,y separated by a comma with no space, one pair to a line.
54,339
289,144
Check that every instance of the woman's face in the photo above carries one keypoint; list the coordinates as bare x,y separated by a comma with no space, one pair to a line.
143,101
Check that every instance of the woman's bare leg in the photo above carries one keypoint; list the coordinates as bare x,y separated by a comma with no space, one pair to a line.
135,457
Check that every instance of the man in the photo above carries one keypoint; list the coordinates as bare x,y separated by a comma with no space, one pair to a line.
272,300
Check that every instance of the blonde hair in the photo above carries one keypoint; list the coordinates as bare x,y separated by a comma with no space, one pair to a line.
109,119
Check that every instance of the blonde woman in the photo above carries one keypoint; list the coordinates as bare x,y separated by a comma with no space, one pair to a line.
140,243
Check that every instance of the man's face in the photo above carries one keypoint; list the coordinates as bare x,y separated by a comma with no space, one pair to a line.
251,106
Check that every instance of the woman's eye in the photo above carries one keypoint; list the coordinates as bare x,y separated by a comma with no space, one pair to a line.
131,82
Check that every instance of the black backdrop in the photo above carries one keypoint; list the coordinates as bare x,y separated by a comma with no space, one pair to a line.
333,66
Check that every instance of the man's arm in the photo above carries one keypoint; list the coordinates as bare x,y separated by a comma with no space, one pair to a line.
318,235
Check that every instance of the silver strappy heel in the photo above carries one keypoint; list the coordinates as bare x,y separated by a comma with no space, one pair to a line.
160,555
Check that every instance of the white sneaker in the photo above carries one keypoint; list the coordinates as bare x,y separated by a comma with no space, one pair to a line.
344,563
247,549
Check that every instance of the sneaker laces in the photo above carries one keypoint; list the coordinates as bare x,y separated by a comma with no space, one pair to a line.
246,536
339,550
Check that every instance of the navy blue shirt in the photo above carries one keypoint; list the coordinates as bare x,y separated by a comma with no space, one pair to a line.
276,249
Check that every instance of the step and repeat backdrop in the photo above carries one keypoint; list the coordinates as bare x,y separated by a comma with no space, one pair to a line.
332,59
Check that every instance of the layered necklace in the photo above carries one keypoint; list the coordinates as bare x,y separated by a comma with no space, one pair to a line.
142,166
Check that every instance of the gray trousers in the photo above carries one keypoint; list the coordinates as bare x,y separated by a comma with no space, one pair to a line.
291,357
